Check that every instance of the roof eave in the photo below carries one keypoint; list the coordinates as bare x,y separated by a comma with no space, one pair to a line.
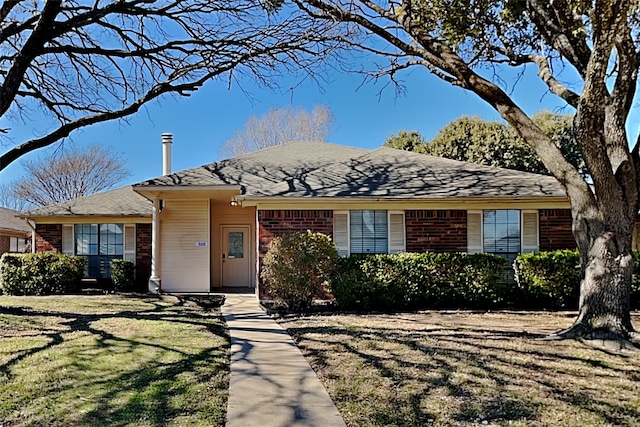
256,200
152,191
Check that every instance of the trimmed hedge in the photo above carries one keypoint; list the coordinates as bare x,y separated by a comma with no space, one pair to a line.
551,280
40,273
123,274
412,281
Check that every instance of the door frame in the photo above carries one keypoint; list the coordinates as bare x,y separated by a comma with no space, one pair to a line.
251,251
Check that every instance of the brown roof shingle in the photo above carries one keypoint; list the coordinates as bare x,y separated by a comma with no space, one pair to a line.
9,221
316,169
119,202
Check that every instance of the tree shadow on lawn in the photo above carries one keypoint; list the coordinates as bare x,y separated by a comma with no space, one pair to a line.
458,375
122,368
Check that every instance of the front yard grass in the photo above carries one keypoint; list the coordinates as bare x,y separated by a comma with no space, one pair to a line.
464,369
111,361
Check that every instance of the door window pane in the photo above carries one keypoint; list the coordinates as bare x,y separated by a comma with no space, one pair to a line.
236,244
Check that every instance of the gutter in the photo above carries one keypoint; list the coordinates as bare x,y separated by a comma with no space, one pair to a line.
252,200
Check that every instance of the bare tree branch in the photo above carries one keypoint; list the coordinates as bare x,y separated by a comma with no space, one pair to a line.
279,126
69,175
88,62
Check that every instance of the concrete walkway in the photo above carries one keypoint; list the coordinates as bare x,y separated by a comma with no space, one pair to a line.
271,385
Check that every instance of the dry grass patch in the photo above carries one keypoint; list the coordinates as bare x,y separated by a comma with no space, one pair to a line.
111,361
460,369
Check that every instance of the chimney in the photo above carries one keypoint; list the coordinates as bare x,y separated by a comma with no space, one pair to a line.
167,140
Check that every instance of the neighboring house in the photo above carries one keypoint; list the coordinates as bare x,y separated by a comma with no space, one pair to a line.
212,225
100,227
15,234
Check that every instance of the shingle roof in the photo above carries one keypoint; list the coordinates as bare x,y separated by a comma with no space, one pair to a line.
119,202
9,221
260,170
316,169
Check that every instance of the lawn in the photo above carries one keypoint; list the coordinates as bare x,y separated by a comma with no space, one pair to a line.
111,361
464,369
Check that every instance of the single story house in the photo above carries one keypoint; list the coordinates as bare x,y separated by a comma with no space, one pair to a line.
207,228
15,234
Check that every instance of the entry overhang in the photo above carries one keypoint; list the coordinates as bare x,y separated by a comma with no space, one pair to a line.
214,192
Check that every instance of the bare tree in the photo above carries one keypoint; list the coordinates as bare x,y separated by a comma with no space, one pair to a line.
68,175
278,126
82,62
595,46
9,199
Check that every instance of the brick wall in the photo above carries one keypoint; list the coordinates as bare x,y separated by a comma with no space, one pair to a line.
5,244
436,230
48,237
273,223
555,229
143,255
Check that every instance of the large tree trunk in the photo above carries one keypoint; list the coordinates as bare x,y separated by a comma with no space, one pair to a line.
607,265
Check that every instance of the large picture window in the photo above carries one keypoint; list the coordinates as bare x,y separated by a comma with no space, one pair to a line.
99,244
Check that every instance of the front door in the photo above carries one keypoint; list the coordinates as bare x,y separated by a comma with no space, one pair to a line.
236,262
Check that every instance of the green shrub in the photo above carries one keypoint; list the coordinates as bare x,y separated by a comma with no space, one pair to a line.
411,281
40,273
122,274
298,266
549,280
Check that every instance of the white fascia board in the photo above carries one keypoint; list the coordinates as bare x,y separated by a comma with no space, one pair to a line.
545,202
152,191
227,187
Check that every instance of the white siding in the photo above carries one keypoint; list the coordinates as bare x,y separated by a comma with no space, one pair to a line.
396,232
184,264
68,246
341,232
530,231
474,232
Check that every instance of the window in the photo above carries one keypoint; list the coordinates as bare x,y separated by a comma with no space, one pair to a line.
99,244
368,231
504,232
501,232
17,244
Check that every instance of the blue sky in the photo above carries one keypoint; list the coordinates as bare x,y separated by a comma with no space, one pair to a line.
202,122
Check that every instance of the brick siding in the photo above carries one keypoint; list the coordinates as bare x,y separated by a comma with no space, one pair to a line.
273,223
436,230
48,237
5,244
555,229
143,255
